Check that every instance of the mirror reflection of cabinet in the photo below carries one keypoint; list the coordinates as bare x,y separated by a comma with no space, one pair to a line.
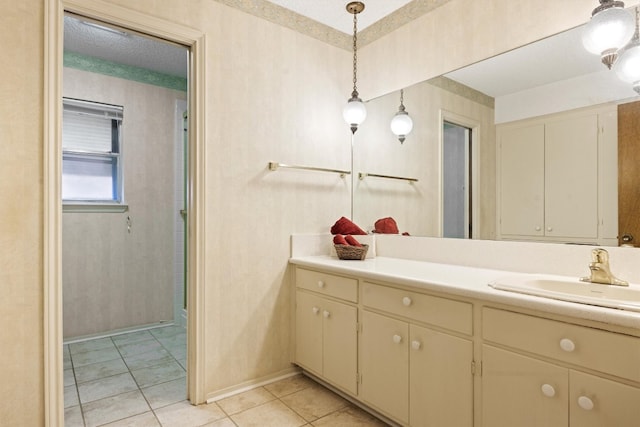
551,177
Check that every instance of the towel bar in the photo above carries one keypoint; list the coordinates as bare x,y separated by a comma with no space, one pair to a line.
275,166
363,175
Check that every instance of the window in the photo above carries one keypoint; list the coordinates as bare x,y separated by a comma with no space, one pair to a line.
91,153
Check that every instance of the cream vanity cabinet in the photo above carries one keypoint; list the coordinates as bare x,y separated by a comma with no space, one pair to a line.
416,356
326,322
557,177
541,372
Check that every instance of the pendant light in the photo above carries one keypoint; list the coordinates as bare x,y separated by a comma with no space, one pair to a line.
354,112
628,65
401,123
608,31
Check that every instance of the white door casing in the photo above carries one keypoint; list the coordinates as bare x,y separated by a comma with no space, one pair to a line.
52,204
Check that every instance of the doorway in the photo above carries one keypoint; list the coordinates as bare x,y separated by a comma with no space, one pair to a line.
122,190
459,176
138,22
456,181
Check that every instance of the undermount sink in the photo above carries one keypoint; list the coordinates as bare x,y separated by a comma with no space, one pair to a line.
572,290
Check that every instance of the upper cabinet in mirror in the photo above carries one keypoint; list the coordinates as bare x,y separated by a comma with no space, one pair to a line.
552,80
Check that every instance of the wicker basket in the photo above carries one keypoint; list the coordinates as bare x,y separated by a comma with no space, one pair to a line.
352,252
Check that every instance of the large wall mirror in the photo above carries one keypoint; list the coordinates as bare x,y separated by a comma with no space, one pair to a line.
443,180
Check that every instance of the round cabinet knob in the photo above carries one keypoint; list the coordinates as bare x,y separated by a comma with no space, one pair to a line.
567,345
549,228
320,284
416,345
548,390
538,228
326,314
585,403
316,310
397,339
406,301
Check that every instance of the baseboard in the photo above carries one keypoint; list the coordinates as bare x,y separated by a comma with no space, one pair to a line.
118,332
250,385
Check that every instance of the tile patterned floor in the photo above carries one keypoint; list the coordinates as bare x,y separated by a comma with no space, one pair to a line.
139,379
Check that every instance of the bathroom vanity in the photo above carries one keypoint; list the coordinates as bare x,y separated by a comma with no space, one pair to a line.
431,344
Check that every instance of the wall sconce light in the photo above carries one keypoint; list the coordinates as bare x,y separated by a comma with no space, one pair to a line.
628,65
355,112
608,31
401,123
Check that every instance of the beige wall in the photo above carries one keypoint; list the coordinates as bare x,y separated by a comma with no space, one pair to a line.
272,95
416,207
112,278
21,239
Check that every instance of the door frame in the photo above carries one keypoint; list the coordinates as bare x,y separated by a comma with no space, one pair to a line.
474,125
52,204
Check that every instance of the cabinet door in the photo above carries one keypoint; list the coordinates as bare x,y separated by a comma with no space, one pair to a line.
599,402
385,364
340,344
522,181
309,331
440,379
571,177
521,391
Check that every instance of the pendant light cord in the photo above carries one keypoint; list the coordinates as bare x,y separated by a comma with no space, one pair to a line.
354,94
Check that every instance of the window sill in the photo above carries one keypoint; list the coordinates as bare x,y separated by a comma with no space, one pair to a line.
94,207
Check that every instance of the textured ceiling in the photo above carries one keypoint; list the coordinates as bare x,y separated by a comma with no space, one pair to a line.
333,13
100,42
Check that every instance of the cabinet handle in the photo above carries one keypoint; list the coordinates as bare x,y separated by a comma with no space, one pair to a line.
549,228
567,345
315,310
326,314
548,390
320,284
397,339
416,345
406,301
538,228
585,403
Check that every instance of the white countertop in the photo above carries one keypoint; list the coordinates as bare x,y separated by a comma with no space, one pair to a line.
463,281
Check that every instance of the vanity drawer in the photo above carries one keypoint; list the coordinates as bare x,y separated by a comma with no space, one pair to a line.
327,284
454,315
603,351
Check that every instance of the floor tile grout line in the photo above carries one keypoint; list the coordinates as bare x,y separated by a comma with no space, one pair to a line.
136,381
225,413
128,370
307,422
75,383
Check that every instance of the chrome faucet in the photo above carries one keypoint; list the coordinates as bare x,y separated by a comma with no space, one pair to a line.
600,271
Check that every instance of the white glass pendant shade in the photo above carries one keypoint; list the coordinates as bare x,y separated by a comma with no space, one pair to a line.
354,112
628,65
609,30
401,124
